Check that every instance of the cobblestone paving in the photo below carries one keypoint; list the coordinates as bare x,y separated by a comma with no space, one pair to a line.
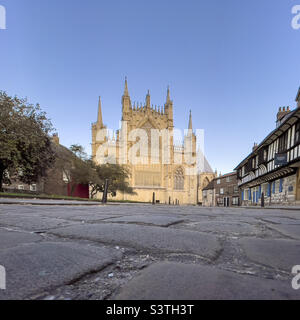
148,252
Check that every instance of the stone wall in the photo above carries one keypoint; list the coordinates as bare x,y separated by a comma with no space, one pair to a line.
286,197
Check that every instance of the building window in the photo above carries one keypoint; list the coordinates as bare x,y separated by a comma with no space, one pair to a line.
281,185
235,189
179,179
228,179
220,201
253,163
219,181
21,187
66,176
265,155
6,174
221,191
235,201
269,190
283,142
147,178
33,187
297,133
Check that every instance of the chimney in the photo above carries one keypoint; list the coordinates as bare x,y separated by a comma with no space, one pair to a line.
255,146
55,138
282,113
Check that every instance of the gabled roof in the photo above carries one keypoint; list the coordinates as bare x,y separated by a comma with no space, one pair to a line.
298,95
210,186
226,175
207,167
291,119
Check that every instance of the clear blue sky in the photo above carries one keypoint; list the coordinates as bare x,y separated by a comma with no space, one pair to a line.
232,62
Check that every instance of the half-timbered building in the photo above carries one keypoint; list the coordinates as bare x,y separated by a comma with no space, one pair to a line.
272,170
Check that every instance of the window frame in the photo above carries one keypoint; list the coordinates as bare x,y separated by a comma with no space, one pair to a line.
33,187
297,133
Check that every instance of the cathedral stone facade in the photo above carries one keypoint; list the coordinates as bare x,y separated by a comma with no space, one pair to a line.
145,145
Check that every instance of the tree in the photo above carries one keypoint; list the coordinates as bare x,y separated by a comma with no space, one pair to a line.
25,145
79,152
85,171
117,177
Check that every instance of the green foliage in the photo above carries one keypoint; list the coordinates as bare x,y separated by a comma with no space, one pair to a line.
78,150
85,171
117,177
41,196
25,146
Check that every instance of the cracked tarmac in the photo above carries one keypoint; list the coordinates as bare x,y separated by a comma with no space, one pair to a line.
148,252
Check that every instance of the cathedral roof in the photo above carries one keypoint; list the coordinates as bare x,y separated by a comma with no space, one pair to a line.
207,167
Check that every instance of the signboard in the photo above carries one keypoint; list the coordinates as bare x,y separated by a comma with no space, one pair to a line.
280,159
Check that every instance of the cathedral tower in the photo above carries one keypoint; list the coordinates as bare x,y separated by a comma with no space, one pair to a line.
172,181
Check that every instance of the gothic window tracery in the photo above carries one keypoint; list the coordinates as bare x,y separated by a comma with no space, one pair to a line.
179,179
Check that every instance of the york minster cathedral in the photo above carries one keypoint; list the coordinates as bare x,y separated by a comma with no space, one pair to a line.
145,145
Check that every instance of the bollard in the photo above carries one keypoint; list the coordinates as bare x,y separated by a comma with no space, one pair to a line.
153,198
262,200
104,198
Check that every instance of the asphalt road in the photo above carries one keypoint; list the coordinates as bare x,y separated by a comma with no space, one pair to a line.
148,252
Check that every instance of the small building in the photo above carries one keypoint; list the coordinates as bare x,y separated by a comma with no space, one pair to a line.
57,181
222,191
272,170
208,195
